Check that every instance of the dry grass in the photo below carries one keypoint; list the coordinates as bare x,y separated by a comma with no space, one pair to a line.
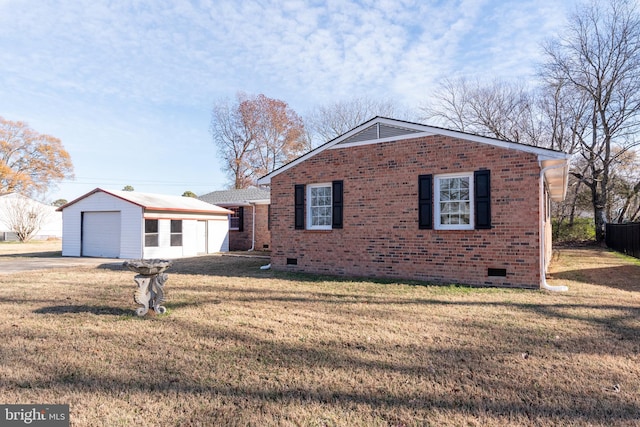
34,248
242,346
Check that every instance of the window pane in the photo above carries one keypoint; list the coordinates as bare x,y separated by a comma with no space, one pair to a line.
320,206
151,240
234,223
454,200
176,240
234,218
150,225
176,226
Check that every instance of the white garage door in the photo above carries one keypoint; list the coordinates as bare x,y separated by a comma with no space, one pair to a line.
101,234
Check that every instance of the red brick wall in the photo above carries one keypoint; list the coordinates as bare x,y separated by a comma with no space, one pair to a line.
380,235
241,240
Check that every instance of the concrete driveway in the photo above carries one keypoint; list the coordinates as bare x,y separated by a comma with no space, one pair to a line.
42,255
17,264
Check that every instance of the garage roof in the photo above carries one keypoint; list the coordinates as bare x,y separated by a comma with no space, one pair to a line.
157,202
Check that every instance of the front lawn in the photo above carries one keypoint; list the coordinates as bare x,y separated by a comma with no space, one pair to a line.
242,346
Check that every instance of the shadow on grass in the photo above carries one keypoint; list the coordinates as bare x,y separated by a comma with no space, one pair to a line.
46,254
98,310
623,277
449,367
207,265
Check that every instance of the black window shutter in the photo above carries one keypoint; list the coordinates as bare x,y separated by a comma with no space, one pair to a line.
241,218
337,204
425,199
299,206
482,179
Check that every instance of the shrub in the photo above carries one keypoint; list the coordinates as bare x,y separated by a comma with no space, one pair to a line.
583,229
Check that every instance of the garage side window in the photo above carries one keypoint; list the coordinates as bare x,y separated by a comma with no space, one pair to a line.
176,232
151,232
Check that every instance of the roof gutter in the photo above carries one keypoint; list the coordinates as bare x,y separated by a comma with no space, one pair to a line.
543,216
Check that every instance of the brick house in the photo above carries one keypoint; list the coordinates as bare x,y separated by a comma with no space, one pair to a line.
395,199
249,222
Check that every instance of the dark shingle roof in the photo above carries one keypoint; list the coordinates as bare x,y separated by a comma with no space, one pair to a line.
238,197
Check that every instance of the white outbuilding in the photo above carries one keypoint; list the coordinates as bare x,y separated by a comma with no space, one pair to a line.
134,225
23,212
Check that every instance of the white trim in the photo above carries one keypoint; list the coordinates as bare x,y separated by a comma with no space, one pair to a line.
381,140
422,131
308,205
436,202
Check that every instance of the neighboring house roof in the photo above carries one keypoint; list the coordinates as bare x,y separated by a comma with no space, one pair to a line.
14,196
238,197
382,129
158,202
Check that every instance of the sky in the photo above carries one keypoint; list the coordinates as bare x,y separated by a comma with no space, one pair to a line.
128,86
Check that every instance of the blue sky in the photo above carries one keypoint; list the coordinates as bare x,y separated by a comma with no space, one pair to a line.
128,86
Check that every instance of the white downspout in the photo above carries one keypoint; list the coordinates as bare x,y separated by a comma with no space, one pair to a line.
543,215
253,228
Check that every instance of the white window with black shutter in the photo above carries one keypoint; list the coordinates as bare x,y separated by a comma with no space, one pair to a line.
319,206
453,202
460,201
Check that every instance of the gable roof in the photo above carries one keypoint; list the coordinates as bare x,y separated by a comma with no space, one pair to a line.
238,197
157,202
383,129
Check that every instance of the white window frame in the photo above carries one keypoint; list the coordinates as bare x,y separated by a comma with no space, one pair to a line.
310,225
154,235
173,234
437,220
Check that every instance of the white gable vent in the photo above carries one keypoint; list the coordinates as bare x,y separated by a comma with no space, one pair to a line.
378,131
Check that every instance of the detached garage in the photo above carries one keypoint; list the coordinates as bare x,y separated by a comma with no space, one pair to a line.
129,224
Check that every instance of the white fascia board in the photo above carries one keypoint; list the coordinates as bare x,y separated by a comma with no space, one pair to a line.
423,130
542,153
266,180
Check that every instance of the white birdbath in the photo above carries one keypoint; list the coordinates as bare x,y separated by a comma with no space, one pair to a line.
150,280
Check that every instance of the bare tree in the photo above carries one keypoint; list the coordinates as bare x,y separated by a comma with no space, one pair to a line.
24,216
255,135
598,59
624,192
498,109
326,122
